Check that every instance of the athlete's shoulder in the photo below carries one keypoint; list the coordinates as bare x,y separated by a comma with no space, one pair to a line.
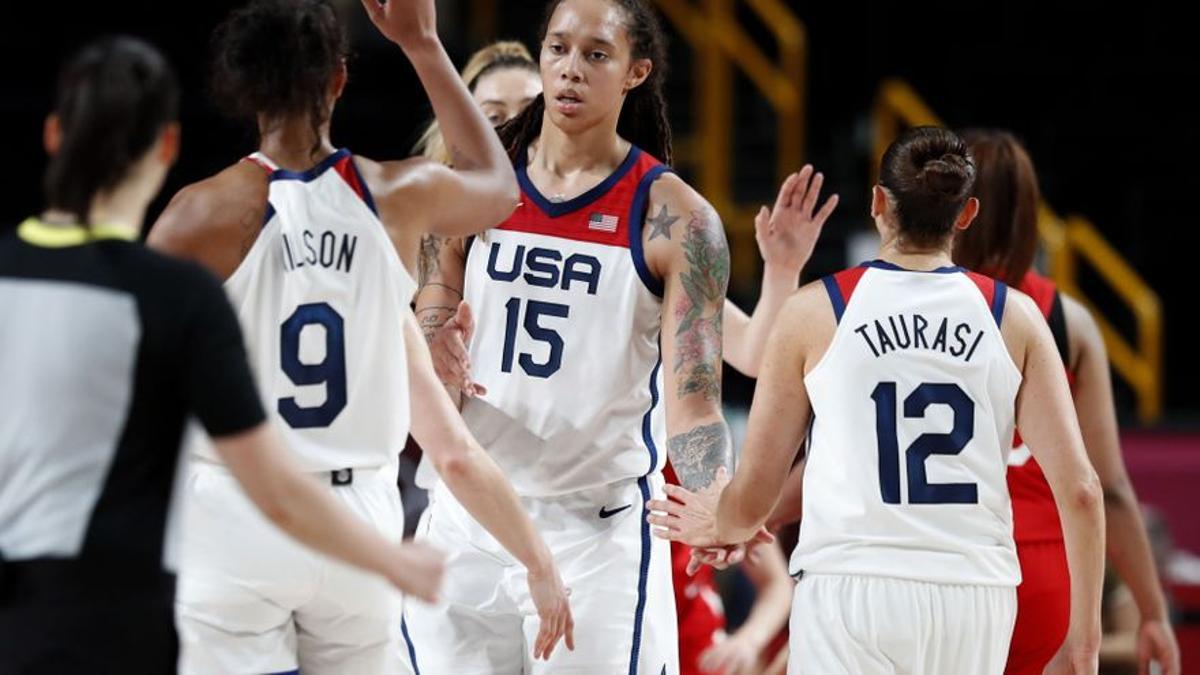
384,177
220,213
237,188
682,231
810,306
677,209
1022,322
673,192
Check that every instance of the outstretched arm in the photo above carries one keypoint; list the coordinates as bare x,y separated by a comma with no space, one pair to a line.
786,235
481,189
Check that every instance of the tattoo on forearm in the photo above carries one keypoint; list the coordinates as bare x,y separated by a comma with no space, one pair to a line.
430,319
699,312
660,225
697,454
435,284
431,247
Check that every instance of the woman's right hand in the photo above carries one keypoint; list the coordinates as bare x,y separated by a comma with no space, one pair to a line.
408,23
418,571
448,347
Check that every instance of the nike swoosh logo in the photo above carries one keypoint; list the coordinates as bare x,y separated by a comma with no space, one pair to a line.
605,513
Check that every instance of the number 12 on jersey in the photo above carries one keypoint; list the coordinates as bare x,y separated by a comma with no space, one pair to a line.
920,490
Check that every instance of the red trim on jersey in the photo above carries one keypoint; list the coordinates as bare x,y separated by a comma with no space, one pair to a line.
847,281
986,286
259,163
1041,289
1035,513
592,222
699,622
350,175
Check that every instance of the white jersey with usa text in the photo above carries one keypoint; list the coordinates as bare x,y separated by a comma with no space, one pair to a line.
322,297
913,416
566,340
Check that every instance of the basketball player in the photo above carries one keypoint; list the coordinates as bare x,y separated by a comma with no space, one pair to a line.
906,558
1002,243
504,79
598,308
107,348
301,233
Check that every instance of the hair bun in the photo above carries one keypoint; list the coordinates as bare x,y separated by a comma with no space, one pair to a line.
948,175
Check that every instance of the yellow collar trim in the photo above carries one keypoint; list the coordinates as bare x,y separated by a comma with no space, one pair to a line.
35,232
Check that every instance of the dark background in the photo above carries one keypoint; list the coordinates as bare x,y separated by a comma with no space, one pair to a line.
1102,97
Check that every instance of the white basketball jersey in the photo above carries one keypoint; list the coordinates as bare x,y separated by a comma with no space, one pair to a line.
566,340
913,417
322,297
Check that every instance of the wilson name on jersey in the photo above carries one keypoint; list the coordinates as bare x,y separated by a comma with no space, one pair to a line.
321,297
914,409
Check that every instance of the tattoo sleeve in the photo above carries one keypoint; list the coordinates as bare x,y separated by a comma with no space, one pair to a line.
704,280
697,454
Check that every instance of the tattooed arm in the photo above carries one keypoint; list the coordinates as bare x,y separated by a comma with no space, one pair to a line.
779,420
445,319
686,248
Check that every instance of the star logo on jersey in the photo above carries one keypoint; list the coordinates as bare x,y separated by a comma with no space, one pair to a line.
603,223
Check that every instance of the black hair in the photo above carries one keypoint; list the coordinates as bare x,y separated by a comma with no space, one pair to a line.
114,98
643,120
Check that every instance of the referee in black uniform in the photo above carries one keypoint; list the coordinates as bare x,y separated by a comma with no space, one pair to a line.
105,349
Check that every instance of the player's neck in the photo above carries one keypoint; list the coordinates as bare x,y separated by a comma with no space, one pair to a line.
910,257
561,154
293,144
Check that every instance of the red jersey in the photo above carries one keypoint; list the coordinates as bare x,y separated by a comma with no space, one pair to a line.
1035,515
697,601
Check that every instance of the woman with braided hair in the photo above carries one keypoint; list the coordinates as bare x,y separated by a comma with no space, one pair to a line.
503,79
569,378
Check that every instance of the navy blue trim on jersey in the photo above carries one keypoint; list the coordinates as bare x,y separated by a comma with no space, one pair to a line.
557,209
467,246
288,672
647,419
269,214
999,296
643,575
366,191
313,173
885,265
412,652
835,296
812,424
637,218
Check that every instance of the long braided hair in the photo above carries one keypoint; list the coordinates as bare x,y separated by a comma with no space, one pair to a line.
643,120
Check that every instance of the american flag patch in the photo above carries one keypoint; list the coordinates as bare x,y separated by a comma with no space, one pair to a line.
604,223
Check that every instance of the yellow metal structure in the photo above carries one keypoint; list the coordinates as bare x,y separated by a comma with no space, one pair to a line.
1066,242
721,49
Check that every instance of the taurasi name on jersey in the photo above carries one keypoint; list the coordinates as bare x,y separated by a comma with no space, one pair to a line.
914,331
328,250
